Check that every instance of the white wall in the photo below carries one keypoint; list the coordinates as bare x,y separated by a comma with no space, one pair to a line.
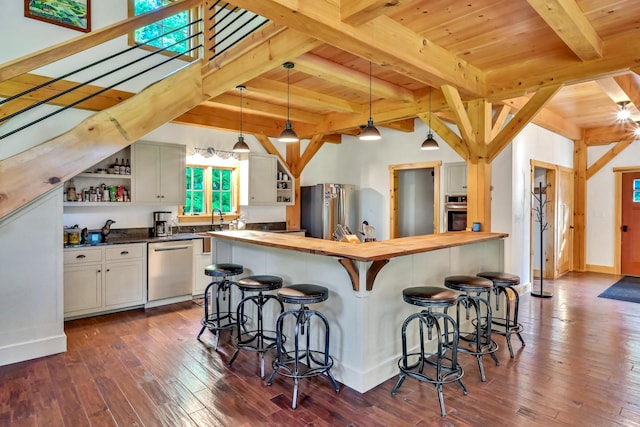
600,212
533,143
365,164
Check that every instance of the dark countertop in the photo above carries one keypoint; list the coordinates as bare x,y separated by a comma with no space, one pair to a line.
139,238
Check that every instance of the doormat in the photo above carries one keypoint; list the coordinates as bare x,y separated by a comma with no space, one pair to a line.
625,289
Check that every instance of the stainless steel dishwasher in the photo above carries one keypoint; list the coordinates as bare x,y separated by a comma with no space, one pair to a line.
170,271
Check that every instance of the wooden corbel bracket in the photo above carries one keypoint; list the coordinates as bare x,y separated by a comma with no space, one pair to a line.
372,272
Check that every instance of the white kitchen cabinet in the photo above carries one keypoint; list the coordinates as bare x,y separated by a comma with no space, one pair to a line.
105,278
158,173
264,180
455,178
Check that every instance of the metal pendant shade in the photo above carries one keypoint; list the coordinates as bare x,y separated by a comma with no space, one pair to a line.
288,134
430,143
370,132
240,146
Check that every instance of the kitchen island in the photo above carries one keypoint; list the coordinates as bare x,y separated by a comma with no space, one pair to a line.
365,307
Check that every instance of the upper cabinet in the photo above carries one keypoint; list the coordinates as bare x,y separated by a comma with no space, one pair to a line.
455,175
158,171
264,180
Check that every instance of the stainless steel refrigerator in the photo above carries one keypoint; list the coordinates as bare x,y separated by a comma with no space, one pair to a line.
324,206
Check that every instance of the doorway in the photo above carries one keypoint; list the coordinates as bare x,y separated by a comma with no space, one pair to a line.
551,248
630,224
415,195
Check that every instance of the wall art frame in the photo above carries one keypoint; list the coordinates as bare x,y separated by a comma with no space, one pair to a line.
74,14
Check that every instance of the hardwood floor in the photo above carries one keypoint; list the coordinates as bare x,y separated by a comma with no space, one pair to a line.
580,367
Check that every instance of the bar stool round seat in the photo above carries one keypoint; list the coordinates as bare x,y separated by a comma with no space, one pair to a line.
302,361
217,318
441,362
504,285
475,297
258,339
223,270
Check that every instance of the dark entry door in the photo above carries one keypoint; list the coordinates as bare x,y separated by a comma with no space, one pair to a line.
630,230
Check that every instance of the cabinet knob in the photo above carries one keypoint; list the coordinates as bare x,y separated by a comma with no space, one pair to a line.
108,270
158,196
98,271
162,197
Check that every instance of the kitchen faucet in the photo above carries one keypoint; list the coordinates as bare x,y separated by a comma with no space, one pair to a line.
213,225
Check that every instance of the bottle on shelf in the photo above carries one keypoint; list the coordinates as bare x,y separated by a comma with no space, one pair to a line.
116,167
71,191
127,168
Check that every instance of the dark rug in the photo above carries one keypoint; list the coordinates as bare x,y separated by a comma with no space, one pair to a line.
625,289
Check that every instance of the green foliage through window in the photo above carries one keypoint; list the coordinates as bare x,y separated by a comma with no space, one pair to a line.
221,189
195,200
144,34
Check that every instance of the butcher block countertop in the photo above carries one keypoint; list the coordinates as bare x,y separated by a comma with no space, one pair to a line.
370,251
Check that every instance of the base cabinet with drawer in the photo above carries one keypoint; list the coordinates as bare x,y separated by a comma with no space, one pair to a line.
106,278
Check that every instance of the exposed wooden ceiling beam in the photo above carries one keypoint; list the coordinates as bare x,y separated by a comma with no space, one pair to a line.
499,119
252,106
608,156
607,135
521,119
228,72
621,53
357,12
406,125
462,119
450,137
382,41
330,71
269,147
303,96
549,120
630,85
567,20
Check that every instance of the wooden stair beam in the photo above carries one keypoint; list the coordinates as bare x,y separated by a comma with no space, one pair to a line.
96,138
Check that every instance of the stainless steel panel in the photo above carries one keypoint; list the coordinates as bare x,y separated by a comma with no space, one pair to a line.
170,269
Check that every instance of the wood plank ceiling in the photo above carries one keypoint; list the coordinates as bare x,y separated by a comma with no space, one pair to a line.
501,51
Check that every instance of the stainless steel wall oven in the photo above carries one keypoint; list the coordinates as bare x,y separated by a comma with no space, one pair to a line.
455,212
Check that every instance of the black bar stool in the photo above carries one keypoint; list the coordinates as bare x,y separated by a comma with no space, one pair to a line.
257,339
476,295
217,318
444,358
503,284
317,362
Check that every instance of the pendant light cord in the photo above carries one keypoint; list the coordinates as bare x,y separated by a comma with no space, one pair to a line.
370,100
430,89
241,90
288,95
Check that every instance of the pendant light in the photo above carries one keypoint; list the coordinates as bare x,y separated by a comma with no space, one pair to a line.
369,132
624,113
288,134
240,146
429,143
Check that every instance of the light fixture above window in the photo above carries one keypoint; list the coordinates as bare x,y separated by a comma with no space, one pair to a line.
240,146
624,113
429,143
288,134
369,132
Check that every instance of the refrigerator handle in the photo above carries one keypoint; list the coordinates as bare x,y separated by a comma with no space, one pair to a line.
341,207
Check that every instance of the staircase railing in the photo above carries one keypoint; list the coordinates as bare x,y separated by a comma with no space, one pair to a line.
220,27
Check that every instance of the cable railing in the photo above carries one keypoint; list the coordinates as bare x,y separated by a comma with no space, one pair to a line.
230,26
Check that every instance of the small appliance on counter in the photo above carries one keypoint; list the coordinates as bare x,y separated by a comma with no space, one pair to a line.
161,223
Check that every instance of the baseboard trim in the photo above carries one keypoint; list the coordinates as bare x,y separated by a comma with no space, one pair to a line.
592,268
33,349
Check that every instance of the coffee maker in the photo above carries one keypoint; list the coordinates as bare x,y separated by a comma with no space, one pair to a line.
161,223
